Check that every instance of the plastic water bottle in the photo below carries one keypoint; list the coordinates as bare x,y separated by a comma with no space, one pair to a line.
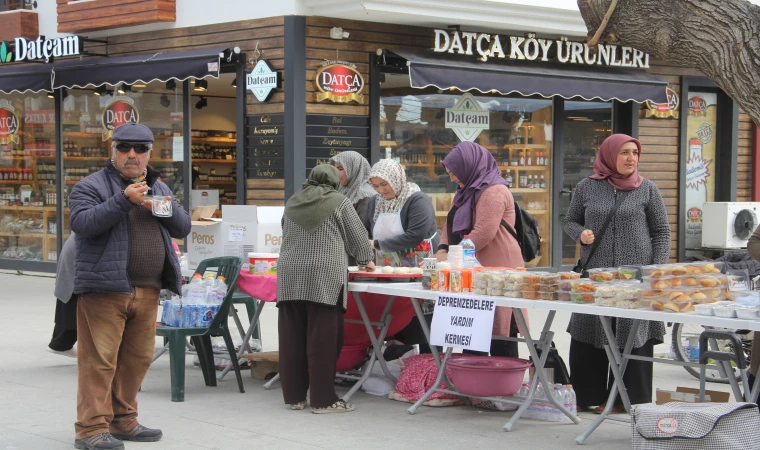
195,292
168,313
570,400
468,250
523,391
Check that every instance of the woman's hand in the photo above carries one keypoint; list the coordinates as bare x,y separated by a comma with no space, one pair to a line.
587,237
442,255
370,267
371,243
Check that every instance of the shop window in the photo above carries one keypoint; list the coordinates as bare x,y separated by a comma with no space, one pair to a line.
701,127
89,116
413,130
585,126
27,177
213,149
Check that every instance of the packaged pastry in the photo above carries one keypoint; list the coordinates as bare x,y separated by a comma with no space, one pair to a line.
569,275
549,295
495,292
602,275
479,291
549,278
514,276
622,290
656,271
672,306
531,287
531,295
582,285
532,278
713,267
578,297
564,296
629,273
513,294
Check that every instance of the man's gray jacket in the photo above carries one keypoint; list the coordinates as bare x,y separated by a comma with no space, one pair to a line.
99,219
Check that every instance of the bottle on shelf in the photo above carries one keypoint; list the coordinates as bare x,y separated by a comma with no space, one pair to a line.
542,184
540,161
509,177
530,159
546,160
522,158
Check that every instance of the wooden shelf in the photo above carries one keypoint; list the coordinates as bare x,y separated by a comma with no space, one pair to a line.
27,208
527,168
23,235
528,191
415,164
214,161
16,182
221,182
18,158
214,139
79,134
525,146
537,212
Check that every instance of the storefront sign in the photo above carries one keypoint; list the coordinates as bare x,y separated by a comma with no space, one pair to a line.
467,119
329,135
344,121
9,123
268,131
337,142
339,82
317,152
663,110
463,322
39,117
529,48
318,130
117,112
262,81
697,106
40,49
266,158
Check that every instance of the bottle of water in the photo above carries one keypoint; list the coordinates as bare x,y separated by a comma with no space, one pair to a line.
196,290
523,391
468,250
570,401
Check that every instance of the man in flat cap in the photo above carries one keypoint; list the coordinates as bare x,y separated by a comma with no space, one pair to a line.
124,258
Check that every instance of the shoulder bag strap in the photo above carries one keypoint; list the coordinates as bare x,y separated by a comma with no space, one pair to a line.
598,238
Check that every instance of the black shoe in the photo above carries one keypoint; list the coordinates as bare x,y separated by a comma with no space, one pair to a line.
140,434
99,441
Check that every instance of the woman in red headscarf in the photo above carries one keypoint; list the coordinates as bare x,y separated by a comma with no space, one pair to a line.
638,234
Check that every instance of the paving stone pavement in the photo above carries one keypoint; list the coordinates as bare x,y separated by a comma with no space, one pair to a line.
38,398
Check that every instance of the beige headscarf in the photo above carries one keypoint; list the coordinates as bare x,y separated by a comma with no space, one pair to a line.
392,172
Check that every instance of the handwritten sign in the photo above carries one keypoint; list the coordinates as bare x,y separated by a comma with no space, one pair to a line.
236,234
463,322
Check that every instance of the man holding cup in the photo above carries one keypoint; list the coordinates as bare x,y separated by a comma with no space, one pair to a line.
124,258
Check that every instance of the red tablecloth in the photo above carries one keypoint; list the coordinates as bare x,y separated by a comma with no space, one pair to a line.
262,287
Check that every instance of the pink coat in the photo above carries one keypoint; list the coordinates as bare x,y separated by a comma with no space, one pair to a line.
494,245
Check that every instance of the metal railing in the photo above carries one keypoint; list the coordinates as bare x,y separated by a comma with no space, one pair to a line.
10,5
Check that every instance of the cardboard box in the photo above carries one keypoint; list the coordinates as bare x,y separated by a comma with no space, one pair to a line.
242,229
204,240
690,395
264,365
250,228
204,197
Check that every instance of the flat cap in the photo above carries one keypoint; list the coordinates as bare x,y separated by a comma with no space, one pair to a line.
132,132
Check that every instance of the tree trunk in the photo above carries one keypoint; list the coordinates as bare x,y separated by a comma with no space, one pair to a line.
720,38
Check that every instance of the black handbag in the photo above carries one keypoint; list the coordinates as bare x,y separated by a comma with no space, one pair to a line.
581,267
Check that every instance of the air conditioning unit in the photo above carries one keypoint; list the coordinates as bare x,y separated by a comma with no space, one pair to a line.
728,224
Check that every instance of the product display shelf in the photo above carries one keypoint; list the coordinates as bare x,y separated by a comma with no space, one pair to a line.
214,139
214,161
47,239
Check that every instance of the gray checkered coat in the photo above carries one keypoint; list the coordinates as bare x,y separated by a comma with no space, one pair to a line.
639,234
314,266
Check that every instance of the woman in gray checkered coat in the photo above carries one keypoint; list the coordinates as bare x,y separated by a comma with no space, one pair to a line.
639,234
320,229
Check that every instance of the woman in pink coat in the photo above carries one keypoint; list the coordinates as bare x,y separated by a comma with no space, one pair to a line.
481,202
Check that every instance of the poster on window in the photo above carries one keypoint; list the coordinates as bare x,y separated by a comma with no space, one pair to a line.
701,126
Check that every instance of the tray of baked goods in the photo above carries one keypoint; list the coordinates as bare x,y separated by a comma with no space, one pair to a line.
385,273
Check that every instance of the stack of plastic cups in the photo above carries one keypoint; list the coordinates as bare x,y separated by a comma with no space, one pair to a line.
456,256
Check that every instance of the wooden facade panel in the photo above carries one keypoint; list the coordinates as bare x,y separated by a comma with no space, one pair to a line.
658,131
105,14
350,25
265,108
265,184
373,38
265,194
322,55
19,23
258,202
657,123
327,108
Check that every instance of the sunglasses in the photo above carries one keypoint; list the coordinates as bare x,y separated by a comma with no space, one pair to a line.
139,148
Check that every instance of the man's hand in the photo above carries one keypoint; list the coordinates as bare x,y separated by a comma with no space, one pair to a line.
148,204
442,255
136,192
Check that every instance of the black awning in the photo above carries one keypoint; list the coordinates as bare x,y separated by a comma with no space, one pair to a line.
21,79
506,77
145,68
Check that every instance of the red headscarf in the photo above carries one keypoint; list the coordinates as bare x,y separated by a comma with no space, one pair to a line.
605,166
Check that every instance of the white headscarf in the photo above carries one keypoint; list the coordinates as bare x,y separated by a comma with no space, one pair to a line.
392,172
357,171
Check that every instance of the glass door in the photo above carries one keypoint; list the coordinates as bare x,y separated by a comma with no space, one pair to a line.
586,125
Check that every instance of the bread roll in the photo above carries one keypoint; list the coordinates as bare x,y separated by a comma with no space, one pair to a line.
674,295
669,306
687,307
657,305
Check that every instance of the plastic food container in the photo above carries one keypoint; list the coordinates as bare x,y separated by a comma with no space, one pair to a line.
549,278
578,297
749,313
553,296
629,273
622,290
725,311
263,263
664,270
531,295
602,275
704,309
748,298
564,296
569,275
617,303
705,267
582,286
672,306
487,376
161,206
